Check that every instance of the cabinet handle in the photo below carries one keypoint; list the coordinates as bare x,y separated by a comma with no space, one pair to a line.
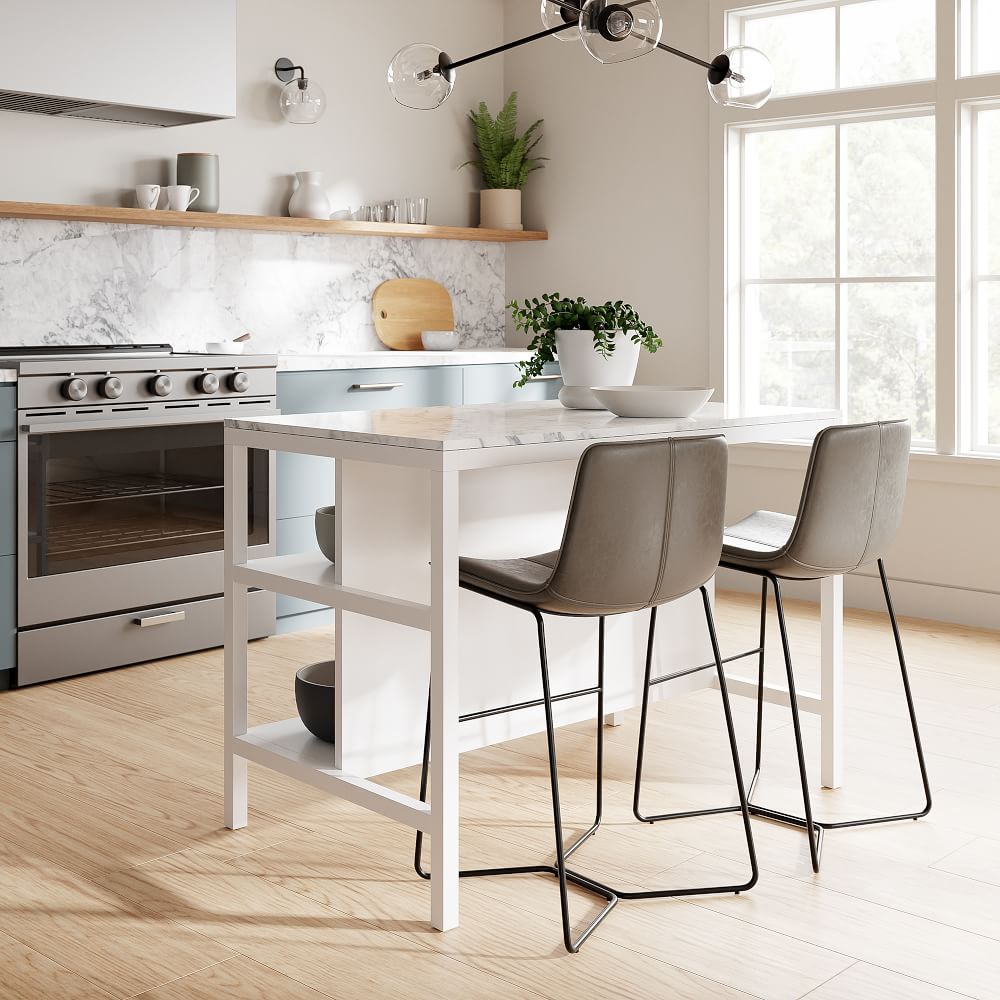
172,616
546,378
375,386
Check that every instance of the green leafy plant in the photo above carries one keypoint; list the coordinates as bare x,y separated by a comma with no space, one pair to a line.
504,159
542,318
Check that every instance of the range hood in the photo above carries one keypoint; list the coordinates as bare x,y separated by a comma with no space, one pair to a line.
120,60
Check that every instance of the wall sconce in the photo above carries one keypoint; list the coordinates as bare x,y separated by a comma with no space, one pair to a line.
422,77
302,101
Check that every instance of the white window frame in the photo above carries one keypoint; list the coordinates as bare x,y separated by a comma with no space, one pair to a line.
952,98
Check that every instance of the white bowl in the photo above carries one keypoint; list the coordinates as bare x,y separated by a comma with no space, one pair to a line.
439,340
652,400
225,347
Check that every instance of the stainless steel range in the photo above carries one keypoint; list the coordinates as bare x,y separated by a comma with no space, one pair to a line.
120,502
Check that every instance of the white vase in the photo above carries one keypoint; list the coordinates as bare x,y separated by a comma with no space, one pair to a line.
500,208
309,200
582,367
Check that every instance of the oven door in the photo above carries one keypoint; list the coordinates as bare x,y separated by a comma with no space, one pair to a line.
121,514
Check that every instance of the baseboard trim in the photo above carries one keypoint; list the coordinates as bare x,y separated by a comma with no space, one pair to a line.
934,602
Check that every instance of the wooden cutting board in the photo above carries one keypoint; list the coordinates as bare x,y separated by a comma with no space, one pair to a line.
405,307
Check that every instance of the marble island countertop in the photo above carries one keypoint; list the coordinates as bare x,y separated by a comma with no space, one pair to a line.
398,359
462,428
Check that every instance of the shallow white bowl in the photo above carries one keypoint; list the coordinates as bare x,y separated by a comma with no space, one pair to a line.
439,340
225,347
652,400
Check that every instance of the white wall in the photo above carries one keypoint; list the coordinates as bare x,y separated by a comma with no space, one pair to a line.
625,194
369,147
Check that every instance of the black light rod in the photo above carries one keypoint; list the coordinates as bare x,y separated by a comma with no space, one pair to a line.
684,55
458,64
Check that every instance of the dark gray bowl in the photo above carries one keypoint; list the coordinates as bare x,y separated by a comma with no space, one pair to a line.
326,525
314,687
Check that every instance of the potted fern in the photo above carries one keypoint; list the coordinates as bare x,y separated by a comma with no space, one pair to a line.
504,160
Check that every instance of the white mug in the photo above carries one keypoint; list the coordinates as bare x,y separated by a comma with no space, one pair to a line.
180,197
147,195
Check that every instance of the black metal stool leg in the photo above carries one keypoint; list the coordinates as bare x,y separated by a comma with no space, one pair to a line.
814,832
559,870
760,686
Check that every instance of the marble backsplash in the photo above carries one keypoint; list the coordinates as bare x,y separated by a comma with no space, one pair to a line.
86,283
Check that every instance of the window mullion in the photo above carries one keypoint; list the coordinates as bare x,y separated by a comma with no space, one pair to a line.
840,250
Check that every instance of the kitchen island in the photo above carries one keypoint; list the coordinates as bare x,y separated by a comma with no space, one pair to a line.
414,488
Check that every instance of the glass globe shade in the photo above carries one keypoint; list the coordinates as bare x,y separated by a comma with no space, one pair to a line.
555,14
302,102
616,32
750,80
414,79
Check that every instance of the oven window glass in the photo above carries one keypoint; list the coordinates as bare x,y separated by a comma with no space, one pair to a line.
115,497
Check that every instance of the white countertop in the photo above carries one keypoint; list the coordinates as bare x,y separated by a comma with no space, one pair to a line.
397,359
462,428
7,375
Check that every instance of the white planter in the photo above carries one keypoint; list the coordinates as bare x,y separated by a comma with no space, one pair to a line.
582,367
309,200
500,208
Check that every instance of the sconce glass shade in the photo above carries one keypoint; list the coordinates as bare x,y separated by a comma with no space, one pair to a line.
302,102
556,14
750,80
616,32
415,79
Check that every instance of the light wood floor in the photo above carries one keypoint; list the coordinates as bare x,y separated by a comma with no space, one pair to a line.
116,878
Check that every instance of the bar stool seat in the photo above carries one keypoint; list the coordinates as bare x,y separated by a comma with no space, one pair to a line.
762,539
644,527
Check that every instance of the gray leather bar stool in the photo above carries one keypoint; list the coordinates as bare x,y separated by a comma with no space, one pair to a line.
644,527
849,512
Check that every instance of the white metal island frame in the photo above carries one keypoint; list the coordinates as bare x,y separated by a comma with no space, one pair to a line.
413,488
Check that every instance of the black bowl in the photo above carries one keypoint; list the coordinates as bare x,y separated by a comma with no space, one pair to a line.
314,688
326,527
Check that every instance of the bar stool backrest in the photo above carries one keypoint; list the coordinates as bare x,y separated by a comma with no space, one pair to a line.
645,523
852,499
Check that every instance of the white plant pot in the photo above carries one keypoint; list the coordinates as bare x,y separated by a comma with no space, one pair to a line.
500,208
582,367
309,200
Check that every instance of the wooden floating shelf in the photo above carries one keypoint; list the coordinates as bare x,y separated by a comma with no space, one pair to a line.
257,223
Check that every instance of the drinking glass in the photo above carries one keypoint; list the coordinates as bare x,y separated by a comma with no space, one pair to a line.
416,211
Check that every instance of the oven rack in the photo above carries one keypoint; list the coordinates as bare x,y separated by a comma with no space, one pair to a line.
83,540
72,491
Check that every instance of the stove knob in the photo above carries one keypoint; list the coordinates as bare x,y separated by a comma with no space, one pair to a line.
74,389
207,383
161,385
111,388
239,381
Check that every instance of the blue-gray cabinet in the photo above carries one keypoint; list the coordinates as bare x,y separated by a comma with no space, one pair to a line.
8,412
306,482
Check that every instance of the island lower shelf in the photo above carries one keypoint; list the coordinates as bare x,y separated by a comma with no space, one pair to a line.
290,749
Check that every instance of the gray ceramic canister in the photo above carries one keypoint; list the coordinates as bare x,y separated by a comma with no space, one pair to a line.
200,170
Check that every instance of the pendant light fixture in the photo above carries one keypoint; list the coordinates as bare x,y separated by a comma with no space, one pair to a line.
301,101
422,77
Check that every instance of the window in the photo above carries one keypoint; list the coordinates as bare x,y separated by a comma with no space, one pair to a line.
985,291
841,44
838,289
981,30
859,256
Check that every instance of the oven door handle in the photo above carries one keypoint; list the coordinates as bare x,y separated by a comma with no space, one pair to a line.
146,420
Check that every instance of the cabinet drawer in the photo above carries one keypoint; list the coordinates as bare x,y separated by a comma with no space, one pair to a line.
495,384
8,412
46,654
8,612
296,534
8,498
369,389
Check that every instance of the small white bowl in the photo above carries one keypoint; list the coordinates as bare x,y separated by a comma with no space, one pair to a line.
225,347
663,401
439,340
